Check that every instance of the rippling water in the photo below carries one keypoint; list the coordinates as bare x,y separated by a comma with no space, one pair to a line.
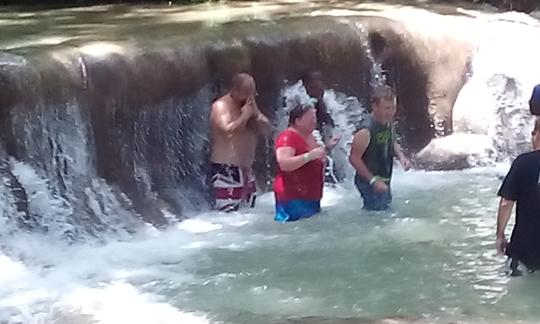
431,258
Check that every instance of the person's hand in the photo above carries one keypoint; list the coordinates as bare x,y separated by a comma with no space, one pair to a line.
333,142
380,186
249,107
501,243
405,163
317,153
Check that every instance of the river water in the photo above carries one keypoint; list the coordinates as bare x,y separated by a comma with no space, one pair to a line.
431,257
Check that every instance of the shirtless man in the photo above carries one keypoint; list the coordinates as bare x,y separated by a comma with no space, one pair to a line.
236,122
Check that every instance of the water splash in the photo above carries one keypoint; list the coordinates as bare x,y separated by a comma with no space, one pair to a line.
378,74
346,111
495,107
9,214
492,107
65,197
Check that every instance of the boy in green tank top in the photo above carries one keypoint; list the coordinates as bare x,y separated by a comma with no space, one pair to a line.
373,149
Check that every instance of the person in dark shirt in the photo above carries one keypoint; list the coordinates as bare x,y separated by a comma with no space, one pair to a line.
315,88
522,185
373,150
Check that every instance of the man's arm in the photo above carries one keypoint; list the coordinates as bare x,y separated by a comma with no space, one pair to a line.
265,127
359,145
509,193
263,123
503,216
222,118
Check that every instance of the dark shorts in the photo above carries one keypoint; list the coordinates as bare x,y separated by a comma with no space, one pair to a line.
373,200
515,267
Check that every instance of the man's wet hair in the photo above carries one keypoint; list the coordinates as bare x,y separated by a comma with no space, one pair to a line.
382,92
239,79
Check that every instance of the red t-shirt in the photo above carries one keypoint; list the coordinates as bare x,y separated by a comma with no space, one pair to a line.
305,182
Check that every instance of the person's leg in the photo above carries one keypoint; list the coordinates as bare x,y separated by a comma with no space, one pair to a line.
382,200
513,267
531,267
282,214
366,191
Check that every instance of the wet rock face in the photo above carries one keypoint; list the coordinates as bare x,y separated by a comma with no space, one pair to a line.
132,93
141,113
138,118
449,153
517,5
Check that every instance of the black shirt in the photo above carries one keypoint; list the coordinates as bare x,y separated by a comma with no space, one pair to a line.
325,123
522,184
379,154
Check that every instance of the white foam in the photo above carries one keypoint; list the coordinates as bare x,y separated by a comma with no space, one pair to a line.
494,101
198,226
118,303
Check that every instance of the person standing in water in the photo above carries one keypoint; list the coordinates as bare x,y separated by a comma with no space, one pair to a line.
316,88
235,122
521,185
373,149
298,186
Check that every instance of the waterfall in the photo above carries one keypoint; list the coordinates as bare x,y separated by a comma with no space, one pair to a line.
106,137
492,108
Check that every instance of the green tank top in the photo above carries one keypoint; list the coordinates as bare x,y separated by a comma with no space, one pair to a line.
379,155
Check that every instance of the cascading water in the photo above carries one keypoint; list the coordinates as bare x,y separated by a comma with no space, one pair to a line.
345,110
65,196
492,108
378,76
